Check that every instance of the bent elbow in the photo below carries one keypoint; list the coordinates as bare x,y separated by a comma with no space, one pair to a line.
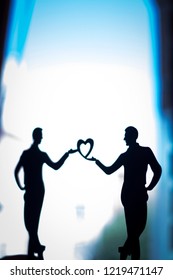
108,171
55,167
158,171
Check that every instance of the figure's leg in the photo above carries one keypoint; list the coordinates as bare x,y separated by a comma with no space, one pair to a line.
135,253
125,250
123,253
135,217
38,247
28,220
139,223
32,211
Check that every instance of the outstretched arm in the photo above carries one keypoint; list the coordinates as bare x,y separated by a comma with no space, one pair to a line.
16,175
157,171
60,162
110,169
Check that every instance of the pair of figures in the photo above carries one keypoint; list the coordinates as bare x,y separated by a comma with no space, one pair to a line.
134,194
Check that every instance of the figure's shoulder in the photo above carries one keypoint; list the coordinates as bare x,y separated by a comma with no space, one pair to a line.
24,155
43,154
123,155
146,150
32,151
25,152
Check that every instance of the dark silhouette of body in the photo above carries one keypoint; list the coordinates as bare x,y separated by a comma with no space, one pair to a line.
32,161
134,194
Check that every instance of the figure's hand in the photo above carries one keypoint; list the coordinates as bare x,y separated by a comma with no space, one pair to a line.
71,151
93,159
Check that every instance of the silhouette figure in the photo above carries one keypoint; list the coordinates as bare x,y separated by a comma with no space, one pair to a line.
134,194
32,161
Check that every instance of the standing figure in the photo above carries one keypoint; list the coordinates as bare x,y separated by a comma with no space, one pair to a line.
134,194
32,161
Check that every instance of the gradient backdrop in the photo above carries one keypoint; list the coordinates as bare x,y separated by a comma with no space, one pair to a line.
78,69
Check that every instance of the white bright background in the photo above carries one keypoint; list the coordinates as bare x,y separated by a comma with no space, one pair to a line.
97,101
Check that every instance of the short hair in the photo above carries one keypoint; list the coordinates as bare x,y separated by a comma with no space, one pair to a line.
36,132
132,131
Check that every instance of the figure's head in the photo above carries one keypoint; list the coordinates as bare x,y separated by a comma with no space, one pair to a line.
37,135
131,134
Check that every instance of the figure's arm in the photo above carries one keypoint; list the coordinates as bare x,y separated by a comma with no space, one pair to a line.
60,162
157,171
16,175
110,169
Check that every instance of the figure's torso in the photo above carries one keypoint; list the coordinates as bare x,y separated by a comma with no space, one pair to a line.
135,161
32,161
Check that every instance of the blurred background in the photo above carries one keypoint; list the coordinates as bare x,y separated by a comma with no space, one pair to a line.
85,69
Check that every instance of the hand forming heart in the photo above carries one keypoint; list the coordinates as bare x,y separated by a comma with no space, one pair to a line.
83,148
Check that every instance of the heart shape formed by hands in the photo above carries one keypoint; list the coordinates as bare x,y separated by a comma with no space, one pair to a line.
82,147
